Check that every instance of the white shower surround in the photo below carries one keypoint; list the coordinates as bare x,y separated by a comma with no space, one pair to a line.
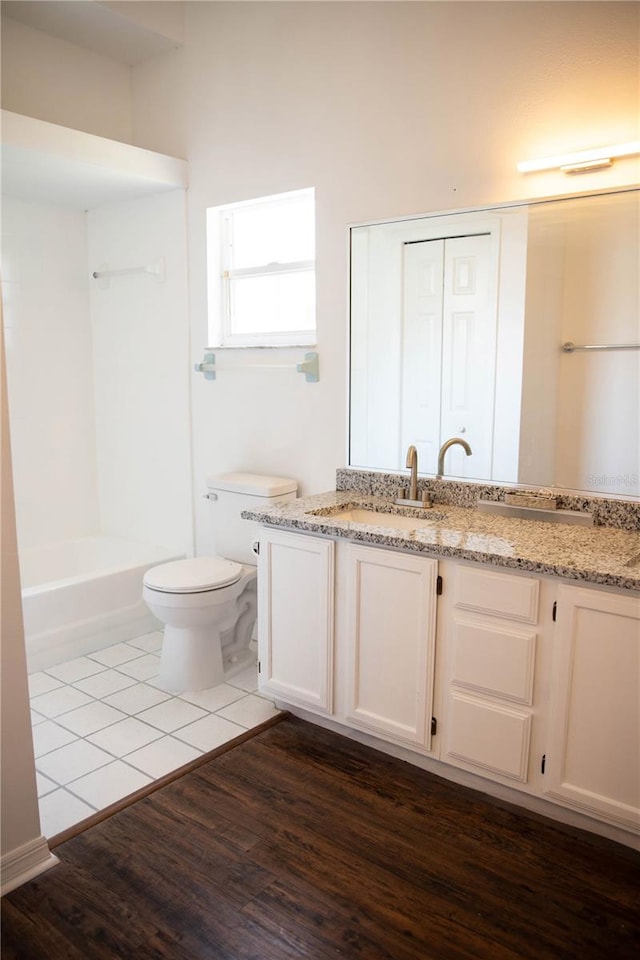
98,379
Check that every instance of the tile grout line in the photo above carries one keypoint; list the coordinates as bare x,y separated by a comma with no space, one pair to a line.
162,735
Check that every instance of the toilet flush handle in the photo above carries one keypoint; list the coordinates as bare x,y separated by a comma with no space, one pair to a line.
209,496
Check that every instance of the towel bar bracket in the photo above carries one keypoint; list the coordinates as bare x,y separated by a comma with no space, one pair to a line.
207,366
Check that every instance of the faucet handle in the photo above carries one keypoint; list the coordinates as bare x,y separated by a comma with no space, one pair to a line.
402,495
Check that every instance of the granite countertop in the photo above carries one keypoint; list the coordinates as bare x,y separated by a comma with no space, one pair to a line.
603,555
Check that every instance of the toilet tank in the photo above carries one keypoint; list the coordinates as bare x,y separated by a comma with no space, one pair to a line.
231,493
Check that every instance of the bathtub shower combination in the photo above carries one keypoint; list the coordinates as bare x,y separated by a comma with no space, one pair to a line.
81,595
95,307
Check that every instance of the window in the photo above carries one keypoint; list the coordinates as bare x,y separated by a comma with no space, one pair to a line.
261,266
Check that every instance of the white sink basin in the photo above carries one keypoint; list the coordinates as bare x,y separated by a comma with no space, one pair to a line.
380,518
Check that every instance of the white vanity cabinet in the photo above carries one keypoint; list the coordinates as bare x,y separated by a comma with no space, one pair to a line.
295,617
593,753
386,602
390,643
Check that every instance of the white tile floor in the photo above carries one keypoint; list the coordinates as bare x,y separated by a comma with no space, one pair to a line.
103,727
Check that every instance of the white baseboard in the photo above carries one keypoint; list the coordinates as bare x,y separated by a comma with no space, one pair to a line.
25,863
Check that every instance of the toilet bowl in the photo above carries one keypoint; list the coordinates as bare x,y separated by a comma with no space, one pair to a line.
208,605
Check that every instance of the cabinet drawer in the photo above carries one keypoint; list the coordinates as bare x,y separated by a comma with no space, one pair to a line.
494,659
489,736
497,594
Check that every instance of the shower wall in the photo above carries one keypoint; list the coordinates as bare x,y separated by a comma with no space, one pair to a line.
142,370
49,372
98,371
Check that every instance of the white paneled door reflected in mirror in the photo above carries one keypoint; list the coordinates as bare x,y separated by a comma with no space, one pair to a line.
458,322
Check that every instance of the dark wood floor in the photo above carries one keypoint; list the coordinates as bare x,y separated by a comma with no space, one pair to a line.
302,844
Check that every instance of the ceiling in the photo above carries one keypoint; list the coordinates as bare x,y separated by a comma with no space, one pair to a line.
112,29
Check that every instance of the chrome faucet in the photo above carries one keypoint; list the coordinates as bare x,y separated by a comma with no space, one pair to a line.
412,463
443,449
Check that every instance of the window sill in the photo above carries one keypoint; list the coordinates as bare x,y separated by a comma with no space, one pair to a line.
305,345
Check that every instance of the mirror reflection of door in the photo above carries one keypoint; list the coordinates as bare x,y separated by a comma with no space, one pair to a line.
427,345
422,348
449,321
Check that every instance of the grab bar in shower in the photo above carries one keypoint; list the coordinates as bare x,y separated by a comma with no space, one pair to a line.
570,347
155,269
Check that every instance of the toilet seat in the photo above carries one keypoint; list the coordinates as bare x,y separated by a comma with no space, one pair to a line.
195,575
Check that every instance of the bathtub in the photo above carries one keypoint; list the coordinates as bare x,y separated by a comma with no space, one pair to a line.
82,595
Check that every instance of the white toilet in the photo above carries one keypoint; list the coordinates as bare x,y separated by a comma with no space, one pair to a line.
208,604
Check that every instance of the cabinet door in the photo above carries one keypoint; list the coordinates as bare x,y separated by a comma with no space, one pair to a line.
295,619
391,643
593,759
489,690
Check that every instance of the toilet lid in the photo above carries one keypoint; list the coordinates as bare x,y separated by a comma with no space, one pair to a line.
194,575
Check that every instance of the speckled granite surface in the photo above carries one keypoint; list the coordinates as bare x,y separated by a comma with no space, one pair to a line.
607,512
603,555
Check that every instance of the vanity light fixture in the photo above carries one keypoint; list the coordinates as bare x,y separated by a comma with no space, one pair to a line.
584,161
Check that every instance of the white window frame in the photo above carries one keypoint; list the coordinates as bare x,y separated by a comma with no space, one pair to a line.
220,273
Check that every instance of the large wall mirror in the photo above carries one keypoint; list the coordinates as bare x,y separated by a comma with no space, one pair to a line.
461,325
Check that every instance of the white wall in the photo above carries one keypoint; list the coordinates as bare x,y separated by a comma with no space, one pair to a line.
387,109
50,371
596,448
157,108
141,363
53,80
582,287
543,307
24,851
